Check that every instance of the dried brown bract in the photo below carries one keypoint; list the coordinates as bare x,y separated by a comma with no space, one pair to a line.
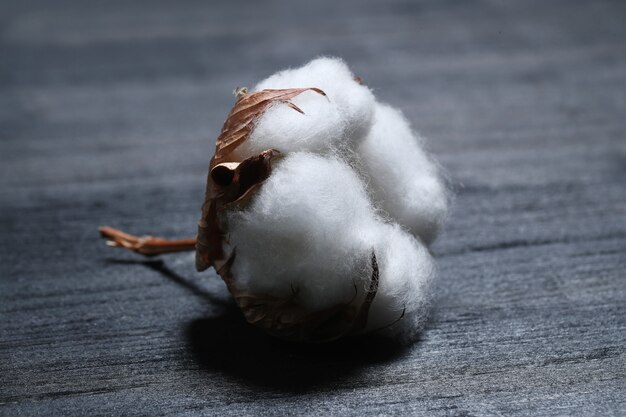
233,182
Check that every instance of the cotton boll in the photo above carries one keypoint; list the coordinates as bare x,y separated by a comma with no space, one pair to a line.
335,121
308,229
293,217
402,178
317,222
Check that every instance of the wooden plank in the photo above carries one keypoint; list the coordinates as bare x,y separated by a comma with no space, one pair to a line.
108,113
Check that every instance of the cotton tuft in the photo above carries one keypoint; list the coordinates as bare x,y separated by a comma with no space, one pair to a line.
353,194
335,121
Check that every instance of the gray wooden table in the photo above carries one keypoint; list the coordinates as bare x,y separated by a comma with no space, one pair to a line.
108,113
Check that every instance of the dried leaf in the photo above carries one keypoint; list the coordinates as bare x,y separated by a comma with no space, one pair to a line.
232,182
237,180
247,109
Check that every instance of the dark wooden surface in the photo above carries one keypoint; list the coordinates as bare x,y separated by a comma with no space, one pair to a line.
108,112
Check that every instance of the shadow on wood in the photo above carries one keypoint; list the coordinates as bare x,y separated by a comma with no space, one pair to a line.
227,343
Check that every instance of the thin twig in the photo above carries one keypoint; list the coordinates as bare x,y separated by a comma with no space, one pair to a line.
145,245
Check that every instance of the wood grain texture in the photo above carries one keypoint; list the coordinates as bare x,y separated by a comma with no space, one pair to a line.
108,115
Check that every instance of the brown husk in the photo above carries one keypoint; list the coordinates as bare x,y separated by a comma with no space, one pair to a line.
247,109
228,179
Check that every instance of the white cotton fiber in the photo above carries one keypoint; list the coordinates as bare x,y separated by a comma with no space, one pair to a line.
402,178
312,229
329,122
309,226
354,180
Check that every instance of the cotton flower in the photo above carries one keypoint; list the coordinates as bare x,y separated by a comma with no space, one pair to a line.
320,204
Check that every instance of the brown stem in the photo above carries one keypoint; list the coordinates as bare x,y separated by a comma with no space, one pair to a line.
145,245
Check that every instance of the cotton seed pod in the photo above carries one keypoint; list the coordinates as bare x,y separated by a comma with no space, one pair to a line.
320,203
